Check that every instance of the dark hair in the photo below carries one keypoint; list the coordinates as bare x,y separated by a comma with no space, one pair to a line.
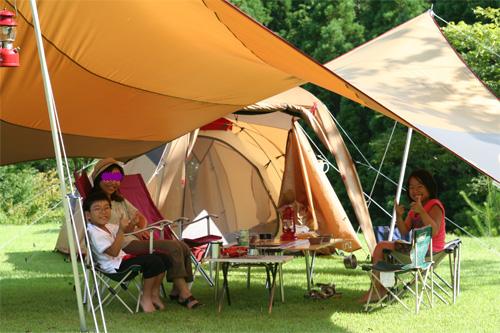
424,177
116,196
93,197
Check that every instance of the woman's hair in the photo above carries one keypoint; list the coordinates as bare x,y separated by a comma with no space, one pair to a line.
116,196
424,177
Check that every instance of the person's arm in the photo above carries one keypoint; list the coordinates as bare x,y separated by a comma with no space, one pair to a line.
115,248
432,218
137,221
401,224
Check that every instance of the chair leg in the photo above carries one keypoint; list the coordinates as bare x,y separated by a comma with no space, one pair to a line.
395,296
456,266
140,293
199,268
417,303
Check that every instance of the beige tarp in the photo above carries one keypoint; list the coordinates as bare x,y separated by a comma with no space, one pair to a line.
412,71
131,75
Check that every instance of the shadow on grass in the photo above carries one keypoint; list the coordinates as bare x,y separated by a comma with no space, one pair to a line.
41,289
38,262
50,306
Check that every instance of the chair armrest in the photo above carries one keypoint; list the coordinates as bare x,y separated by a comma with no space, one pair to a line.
452,245
159,225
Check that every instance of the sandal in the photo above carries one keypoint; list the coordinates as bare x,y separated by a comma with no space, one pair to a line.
189,302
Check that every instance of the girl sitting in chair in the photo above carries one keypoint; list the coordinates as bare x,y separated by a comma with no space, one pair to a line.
425,209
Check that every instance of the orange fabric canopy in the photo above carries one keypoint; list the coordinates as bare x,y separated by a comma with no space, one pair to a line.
130,75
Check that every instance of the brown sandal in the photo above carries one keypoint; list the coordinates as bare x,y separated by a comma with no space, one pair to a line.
190,302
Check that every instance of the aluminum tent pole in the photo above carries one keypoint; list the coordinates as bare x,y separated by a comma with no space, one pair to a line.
60,171
401,179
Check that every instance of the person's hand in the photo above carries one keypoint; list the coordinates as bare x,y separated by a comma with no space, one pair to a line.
135,219
124,223
144,235
400,209
416,206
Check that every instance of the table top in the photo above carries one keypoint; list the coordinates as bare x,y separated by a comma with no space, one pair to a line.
297,245
252,259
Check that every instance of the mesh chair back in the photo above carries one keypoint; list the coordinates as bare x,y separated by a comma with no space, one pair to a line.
421,244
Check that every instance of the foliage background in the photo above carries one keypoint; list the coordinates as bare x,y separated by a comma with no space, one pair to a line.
324,30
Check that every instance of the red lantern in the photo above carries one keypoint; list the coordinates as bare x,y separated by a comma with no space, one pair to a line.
9,56
288,221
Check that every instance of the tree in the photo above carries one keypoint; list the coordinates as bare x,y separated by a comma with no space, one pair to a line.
478,44
380,16
486,216
461,10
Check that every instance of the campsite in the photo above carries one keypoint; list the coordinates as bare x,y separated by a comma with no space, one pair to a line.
273,156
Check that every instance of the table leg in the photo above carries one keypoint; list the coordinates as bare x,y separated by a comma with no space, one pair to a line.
268,277
225,287
216,292
274,269
308,270
248,277
225,269
311,274
282,289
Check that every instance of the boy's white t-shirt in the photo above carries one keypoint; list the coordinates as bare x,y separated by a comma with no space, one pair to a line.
101,241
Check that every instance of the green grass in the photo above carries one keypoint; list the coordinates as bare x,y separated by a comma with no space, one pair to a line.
36,295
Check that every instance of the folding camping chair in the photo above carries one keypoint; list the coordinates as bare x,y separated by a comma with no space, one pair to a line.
394,277
111,285
452,251
134,190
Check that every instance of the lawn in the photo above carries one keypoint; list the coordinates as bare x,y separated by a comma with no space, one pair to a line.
36,295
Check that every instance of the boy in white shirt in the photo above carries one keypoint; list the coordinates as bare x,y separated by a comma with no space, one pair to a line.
106,241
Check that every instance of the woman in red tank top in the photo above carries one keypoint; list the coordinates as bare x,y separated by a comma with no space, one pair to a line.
425,209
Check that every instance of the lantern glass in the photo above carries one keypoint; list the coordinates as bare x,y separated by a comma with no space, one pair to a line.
7,33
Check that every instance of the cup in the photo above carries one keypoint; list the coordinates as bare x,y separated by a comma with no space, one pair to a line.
215,249
253,252
244,239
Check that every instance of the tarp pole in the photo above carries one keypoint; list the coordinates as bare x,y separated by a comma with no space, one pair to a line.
60,171
401,179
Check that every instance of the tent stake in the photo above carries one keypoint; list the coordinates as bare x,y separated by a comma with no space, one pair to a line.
401,179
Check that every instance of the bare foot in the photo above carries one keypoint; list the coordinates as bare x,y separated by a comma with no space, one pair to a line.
158,303
147,306
363,298
375,297
190,302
